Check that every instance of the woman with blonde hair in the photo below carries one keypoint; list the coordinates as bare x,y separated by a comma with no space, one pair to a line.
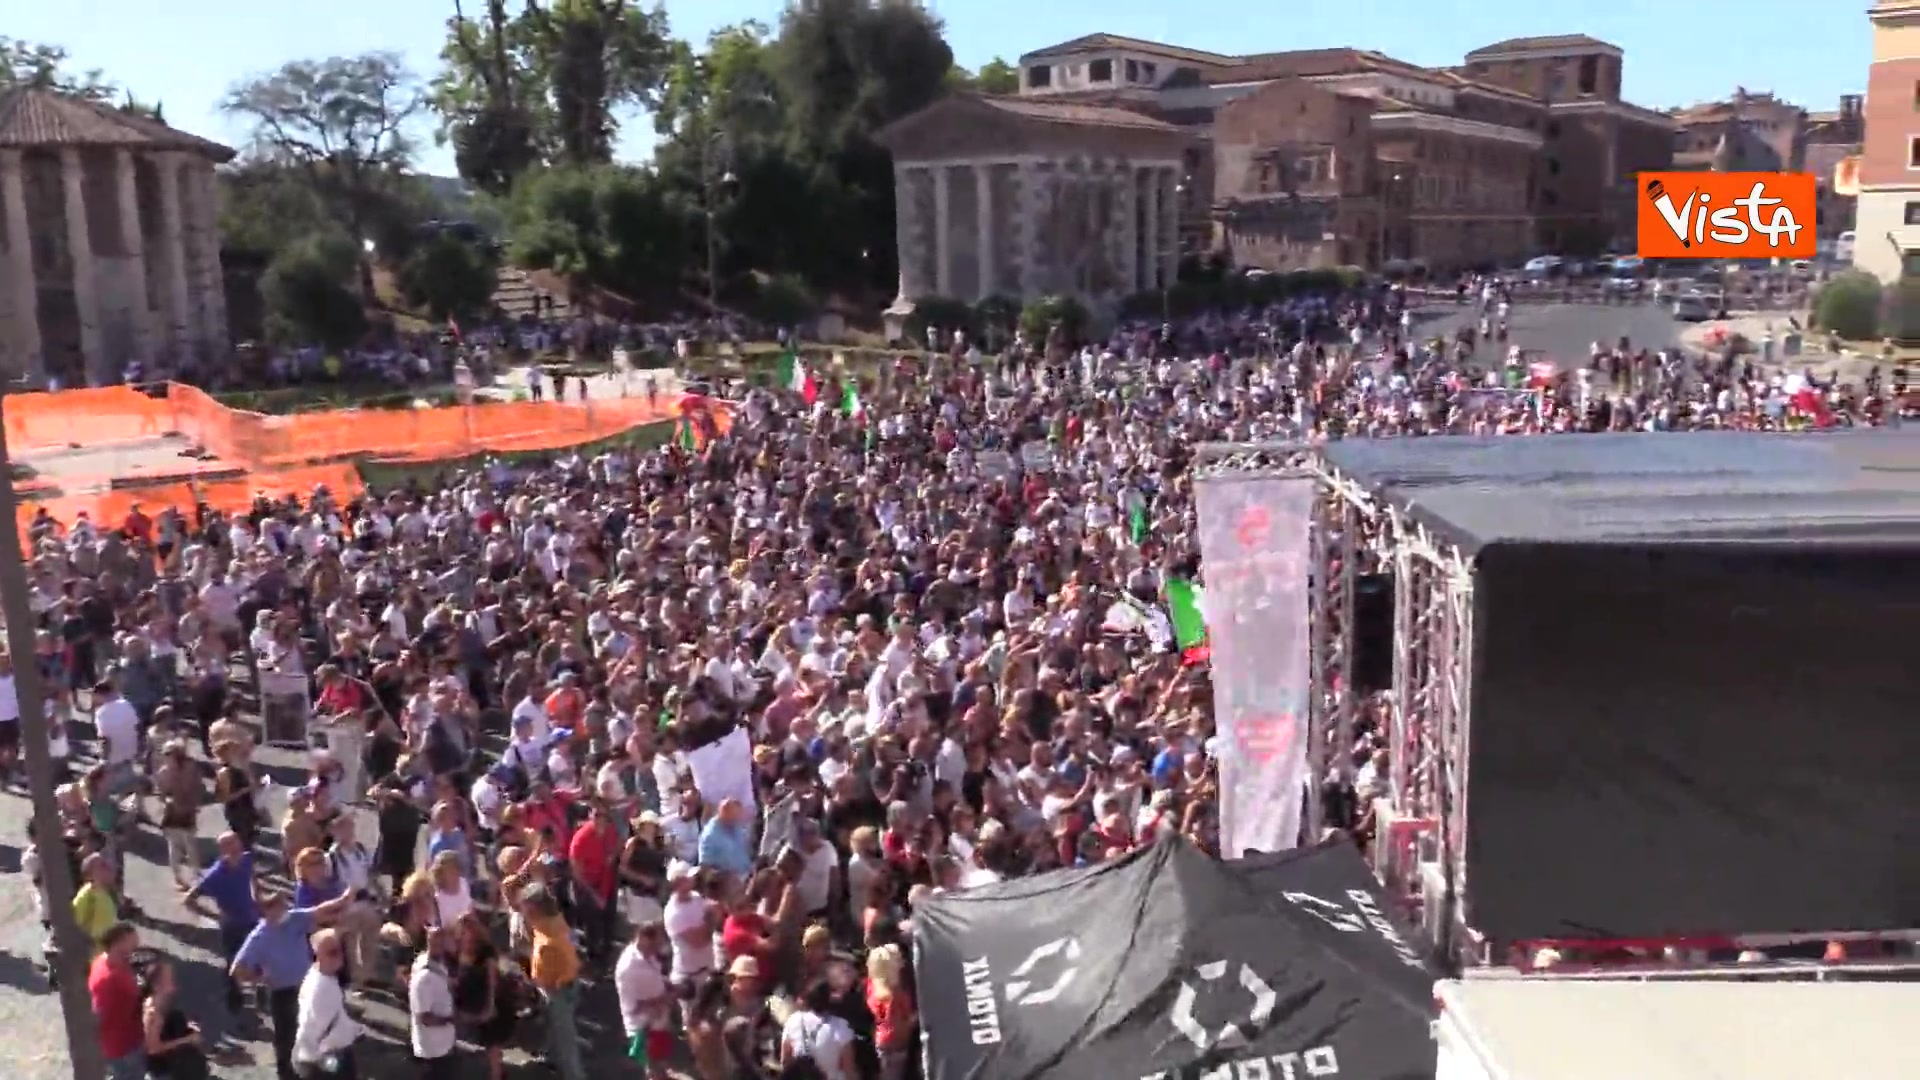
407,920
890,1000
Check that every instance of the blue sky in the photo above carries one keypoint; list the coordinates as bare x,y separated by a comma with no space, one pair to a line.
185,53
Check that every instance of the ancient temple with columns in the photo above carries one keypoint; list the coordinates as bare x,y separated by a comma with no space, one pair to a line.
109,240
998,196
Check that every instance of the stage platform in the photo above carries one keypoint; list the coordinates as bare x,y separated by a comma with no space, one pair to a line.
1692,671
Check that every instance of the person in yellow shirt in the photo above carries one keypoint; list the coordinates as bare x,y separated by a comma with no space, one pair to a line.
554,967
94,907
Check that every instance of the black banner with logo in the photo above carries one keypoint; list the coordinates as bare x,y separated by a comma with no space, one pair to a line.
1167,965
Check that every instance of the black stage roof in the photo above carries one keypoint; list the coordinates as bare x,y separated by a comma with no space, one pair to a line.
1853,487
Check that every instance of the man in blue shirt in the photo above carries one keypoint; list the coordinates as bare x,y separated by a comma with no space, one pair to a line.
725,842
277,954
229,884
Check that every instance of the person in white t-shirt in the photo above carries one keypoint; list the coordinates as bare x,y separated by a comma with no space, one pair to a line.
690,921
644,998
119,727
812,1032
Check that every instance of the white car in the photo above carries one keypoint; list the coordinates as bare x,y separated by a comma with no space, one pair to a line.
1544,266
1691,308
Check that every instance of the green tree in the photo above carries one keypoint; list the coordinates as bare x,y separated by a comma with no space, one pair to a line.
1040,317
843,70
607,227
450,277
340,124
266,207
23,63
1849,305
309,294
996,76
545,84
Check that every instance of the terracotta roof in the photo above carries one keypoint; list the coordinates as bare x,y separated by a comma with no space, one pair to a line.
1116,41
960,106
1550,41
1070,112
1480,86
33,118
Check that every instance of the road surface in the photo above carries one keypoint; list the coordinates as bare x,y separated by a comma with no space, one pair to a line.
35,1041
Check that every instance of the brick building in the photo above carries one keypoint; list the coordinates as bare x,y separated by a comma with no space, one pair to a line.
1525,148
1887,241
1745,133
1833,148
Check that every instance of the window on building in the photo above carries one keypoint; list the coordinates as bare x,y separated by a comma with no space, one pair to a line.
1553,129
1589,74
1910,264
1913,152
1550,197
1916,94
1039,75
1100,71
1913,213
1149,72
1133,71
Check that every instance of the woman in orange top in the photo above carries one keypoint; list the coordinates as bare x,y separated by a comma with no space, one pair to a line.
891,1002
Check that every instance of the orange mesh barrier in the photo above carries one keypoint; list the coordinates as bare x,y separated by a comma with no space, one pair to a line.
48,421
290,455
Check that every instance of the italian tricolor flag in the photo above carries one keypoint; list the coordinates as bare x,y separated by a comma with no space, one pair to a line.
850,402
794,376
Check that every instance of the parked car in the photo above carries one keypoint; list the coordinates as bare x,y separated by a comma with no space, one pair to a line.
1544,266
1692,307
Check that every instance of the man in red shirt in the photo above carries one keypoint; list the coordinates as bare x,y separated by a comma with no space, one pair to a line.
116,1003
593,856
746,932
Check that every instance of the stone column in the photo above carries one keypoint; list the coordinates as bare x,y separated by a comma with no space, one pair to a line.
1150,181
903,233
1127,236
140,312
176,303
86,283
942,224
213,299
25,329
1170,224
1027,229
983,186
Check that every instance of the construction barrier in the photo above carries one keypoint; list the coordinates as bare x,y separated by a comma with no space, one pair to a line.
276,456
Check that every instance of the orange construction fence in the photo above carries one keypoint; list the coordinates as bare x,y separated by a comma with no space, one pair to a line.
92,417
289,455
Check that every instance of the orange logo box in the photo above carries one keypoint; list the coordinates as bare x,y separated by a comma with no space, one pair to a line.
1733,215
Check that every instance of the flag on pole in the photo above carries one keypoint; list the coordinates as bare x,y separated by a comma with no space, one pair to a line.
850,402
1189,626
795,376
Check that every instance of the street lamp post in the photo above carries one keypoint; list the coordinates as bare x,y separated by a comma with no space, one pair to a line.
712,186
1166,284
76,1003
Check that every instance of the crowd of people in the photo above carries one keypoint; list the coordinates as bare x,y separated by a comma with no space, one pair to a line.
684,736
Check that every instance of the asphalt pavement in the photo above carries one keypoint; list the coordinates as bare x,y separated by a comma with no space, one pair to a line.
32,1037
1564,333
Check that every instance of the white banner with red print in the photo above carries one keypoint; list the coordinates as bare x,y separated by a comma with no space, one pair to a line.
1254,554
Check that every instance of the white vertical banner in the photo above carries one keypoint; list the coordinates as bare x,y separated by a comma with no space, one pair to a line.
1254,556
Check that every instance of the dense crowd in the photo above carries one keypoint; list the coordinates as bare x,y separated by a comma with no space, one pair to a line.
705,724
